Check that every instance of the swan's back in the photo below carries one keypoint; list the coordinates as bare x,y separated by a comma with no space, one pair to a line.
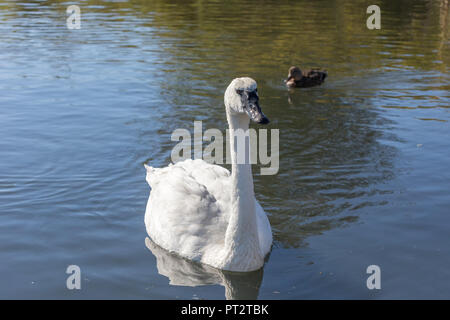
182,213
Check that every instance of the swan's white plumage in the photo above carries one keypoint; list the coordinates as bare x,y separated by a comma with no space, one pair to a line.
188,210
203,212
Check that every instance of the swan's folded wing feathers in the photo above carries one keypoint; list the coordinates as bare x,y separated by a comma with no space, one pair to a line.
182,211
215,178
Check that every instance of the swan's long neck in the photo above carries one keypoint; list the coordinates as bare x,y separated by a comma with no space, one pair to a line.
241,238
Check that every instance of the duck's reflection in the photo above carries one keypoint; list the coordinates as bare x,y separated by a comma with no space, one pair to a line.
291,93
181,272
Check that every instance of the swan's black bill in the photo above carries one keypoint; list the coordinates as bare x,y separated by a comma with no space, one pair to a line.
253,109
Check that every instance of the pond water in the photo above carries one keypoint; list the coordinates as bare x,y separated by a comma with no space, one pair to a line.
364,173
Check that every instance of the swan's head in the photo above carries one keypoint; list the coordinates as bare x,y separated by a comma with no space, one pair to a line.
294,74
241,97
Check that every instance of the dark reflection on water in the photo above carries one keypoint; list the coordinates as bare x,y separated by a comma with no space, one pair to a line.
363,174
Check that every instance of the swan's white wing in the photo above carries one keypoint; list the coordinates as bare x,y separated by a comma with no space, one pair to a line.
182,213
214,177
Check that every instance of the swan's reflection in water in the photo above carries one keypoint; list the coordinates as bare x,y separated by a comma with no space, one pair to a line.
181,272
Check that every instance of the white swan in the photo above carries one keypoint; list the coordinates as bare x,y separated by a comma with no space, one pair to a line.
202,212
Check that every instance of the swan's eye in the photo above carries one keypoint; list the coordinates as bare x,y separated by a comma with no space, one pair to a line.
239,91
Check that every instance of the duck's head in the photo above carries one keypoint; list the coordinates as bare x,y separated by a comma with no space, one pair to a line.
295,74
241,97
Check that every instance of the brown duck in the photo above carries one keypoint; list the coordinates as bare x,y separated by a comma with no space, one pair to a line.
302,79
